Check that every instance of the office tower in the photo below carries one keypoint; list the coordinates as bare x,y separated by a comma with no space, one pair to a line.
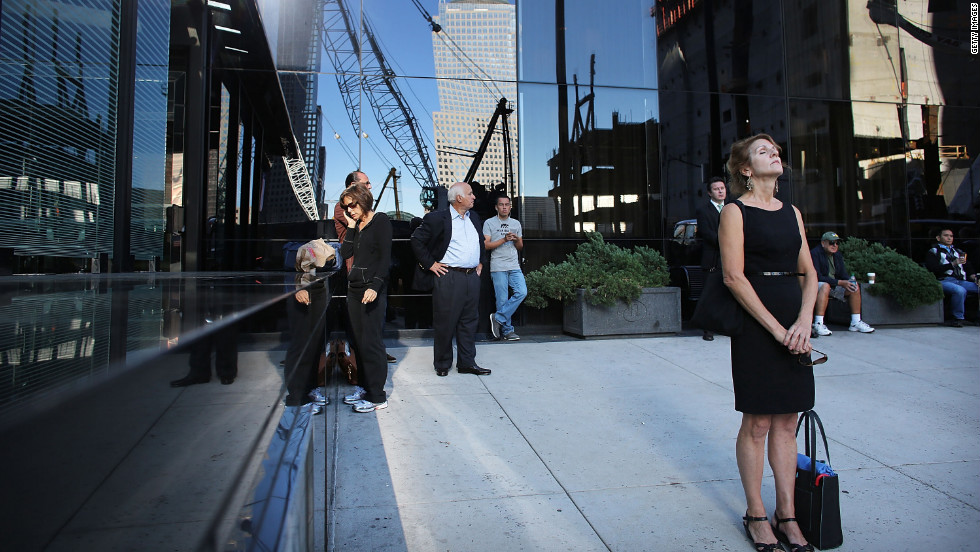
475,61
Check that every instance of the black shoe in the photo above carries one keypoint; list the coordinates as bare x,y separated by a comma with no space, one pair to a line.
442,373
227,381
708,336
474,370
759,546
955,323
780,535
189,380
391,358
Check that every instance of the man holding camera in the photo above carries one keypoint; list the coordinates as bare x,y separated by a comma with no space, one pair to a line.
956,276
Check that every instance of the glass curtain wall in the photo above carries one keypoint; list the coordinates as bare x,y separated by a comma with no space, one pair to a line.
59,92
150,132
616,121
57,111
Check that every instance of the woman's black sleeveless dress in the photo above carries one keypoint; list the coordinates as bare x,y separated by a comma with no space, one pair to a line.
767,378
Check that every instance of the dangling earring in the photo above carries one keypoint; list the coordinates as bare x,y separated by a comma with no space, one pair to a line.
748,183
777,188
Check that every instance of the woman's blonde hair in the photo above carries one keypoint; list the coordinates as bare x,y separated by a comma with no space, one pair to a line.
739,159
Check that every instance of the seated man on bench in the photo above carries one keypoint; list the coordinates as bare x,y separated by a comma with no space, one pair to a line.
954,273
834,282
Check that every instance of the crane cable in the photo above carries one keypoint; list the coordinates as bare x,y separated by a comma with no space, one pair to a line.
455,50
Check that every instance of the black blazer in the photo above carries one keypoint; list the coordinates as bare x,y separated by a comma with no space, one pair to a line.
430,241
708,219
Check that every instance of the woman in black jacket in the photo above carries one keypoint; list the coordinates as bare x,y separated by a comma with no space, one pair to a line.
368,241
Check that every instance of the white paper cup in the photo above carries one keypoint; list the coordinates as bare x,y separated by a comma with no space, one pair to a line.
871,277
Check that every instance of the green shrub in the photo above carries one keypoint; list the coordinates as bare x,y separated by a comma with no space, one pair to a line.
605,271
896,275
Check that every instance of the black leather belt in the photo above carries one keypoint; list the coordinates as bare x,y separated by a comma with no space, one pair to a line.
774,274
463,270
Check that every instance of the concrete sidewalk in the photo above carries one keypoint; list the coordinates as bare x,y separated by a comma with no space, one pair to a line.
629,444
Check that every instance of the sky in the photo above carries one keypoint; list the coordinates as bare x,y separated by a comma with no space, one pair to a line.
406,41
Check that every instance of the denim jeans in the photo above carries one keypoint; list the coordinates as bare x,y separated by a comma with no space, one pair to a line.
514,279
957,290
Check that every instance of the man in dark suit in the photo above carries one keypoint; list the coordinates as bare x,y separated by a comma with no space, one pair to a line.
709,214
450,252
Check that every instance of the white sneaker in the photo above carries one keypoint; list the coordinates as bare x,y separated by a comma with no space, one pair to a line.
318,397
860,326
820,330
368,406
315,408
356,396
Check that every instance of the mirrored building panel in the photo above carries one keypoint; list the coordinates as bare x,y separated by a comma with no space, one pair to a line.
604,177
732,47
58,114
618,40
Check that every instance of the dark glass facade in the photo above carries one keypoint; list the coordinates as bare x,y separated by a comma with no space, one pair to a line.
615,118
59,102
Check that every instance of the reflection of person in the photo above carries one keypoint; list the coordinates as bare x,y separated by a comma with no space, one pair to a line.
708,215
767,267
368,242
449,249
305,313
954,273
503,237
834,282
224,344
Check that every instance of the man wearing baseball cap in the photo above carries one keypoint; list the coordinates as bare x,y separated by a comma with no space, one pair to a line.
834,281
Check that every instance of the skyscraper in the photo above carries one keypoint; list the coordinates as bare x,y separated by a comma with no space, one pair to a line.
298,59
476,62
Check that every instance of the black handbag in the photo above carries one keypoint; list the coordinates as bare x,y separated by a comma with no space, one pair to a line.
717,310
817,489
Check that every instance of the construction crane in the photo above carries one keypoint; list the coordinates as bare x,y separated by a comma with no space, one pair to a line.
299,179
358,69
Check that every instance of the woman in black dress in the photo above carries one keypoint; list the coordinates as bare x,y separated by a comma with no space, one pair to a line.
767,267
368,240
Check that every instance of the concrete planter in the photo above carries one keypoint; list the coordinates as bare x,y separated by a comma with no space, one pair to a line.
657,311
884,311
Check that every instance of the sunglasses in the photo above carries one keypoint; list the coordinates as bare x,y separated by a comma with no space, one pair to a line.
349,206
835,242
808,360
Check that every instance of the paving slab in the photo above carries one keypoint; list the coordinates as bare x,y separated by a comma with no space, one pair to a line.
629,444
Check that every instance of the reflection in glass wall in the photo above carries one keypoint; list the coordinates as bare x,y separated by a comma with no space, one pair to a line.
59,63
150,130
721,78
860,99
598,144
57,123
298,53
475,61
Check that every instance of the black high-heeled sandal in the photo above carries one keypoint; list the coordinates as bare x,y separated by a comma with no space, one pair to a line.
783,538
759,546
